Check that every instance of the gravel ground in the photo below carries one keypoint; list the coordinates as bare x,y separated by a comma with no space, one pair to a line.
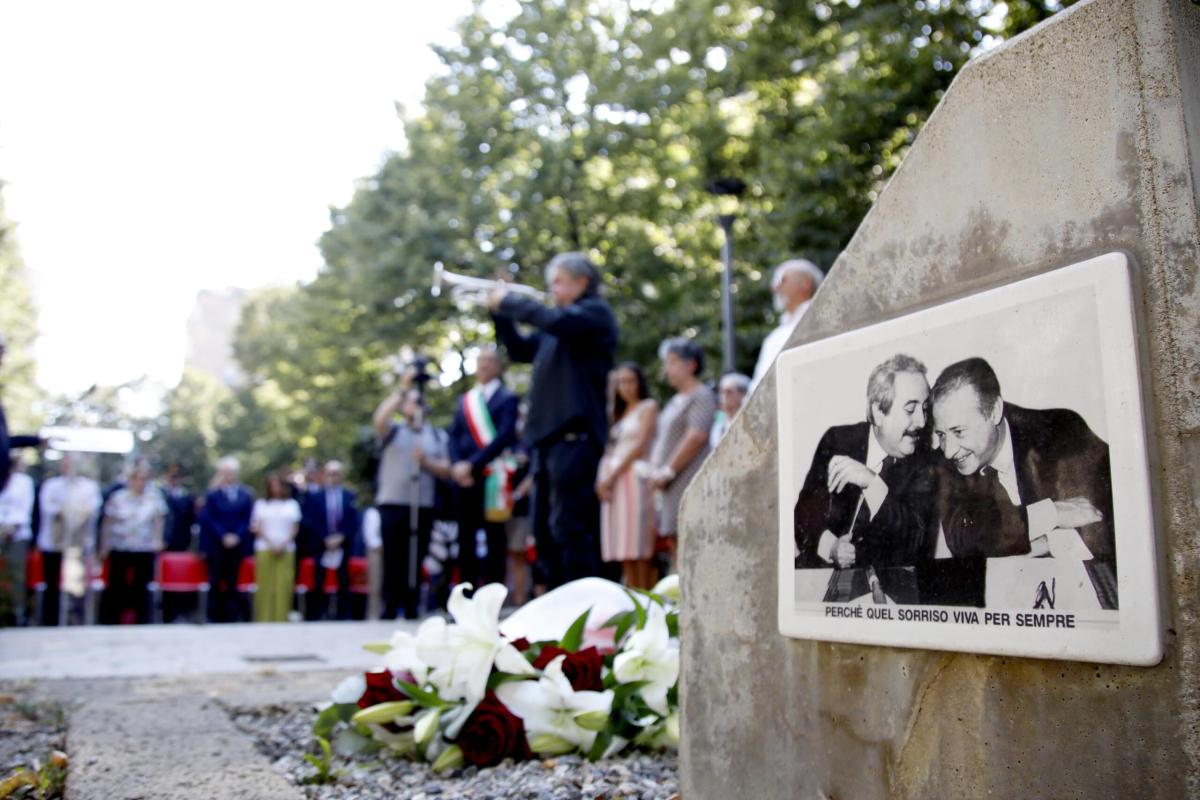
31,728
285,734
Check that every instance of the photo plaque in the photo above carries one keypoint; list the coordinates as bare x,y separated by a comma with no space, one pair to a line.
974,477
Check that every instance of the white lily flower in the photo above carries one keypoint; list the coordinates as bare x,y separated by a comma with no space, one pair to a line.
668,588
464,656
404,657
349,690
455,717
650,655
550,706
615,746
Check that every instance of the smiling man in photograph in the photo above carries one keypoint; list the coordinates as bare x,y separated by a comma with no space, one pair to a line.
1015,474
868,498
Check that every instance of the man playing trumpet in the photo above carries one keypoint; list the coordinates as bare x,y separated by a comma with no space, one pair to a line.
571,348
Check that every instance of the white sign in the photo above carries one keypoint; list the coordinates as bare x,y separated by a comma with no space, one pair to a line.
974,477
88,440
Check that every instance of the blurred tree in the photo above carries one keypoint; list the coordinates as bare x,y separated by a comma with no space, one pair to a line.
596,125
18,322
186,428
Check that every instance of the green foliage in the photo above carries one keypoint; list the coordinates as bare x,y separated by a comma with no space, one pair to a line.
328,719
428,699
18,323
322,762
596,125
573,638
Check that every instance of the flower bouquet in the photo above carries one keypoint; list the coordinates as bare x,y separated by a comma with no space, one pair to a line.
463,693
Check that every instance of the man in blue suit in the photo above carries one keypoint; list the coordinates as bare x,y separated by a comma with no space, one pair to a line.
333,520
225,539
182,506
485,424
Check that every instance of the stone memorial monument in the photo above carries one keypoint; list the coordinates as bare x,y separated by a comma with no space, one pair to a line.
1077,139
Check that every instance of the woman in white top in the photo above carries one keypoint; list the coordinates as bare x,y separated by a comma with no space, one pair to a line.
626,499
274,522
130,538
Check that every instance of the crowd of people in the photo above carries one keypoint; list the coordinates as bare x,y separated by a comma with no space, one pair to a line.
581,477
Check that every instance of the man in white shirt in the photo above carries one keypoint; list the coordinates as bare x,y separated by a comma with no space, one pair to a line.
69,504
793,285
731,393
16,516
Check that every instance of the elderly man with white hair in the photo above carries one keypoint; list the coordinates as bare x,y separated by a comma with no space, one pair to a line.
225,538
793,284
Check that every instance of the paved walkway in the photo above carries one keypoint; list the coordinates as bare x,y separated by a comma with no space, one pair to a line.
144,650
147,704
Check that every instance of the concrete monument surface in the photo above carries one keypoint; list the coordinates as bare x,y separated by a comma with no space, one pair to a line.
1078,138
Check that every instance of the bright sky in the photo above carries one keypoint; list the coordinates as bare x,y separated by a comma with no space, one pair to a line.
154,149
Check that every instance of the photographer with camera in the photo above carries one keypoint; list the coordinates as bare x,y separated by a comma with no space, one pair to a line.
412,456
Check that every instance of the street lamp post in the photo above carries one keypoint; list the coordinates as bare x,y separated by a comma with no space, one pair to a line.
727,190
727,361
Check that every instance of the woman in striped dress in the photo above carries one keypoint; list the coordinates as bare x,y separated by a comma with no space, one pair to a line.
626,501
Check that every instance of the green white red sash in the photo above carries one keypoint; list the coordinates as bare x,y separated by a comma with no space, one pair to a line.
497,485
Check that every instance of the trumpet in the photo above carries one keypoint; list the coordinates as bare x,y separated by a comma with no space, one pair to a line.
467,290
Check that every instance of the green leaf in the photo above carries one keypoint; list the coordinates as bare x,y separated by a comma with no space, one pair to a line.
623,628
603,740
383,712
420,696
625,692
324,723
616,619
350,742
497,678
550,745
573,638
637,607
592,720
379,648
451,758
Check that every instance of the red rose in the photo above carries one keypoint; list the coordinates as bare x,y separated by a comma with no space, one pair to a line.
381,688
492,733
521,644
548,654
583,669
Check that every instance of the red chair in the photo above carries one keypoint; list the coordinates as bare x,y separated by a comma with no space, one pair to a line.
35,581
331,581
306,581
179,573
360,578
97,582
245,578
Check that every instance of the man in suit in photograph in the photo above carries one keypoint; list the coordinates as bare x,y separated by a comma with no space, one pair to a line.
333,520
1011,475
485,424
868,498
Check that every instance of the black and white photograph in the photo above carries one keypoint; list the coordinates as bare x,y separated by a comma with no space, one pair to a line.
973,476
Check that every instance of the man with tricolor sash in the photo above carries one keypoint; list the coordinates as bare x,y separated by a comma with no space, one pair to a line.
484,427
